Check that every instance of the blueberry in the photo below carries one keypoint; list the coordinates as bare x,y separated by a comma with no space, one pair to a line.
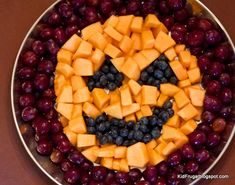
158,74
103,80
111,77
118,83
115,122
124,132
103,140
147,138
155,133
150,69
91,130
144,128
113,70
105,69
99,135
162,65
90,122
101,127
140,82
101,118
138,135
144,76
163,80
144,121
150,81
167,104
121,123
97,75
153,121
164,116
173,80
126,143
98,85
170,112
156,83
110,139
130,124
91,84
119,77
112,86
133,141
107,124
168,73
136,127
114,133
162,57
119,140
155,63
159,122
131,134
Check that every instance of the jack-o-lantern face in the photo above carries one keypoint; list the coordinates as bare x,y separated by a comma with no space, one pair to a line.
127,94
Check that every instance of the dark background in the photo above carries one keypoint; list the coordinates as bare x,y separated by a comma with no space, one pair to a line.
16,17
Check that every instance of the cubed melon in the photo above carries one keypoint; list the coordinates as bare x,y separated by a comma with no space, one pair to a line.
112,51
159,28
64,56
118,63
115,96
163,42
65,109
98,40
162,99
169,89
194,75
131,69
136,38
81,95
179,70
151,144
107,162
197,96
107,151
83,67
175,108
138,98
134,87
124,24
170,133
150,54
77,82
90,110
111,21
126,98
90,30
154,157
149,95
182,141
64,69
98,57
174,121
130,109
66,95
185,58
113,33
139,115
59,83
114,110
84,50
184,83
120,152
179,48
188,127
181,99
72,137
146,110
77,110
124,165
126,44
141,60
85,140
91,153
170,147
78,125
63,120
170,53
116,164
160,147
137,24
198,116
72,43
147,39
101,98
130,117
151,21
193,63
188,112
137,155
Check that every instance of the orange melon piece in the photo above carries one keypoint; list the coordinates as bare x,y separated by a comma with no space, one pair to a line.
126,44
174,121
98,40
137,24
136,38
64,56
151,21
83,67
130,109
91,153
150,54
162,99
72,137
114,110
184,83
64,69
59,83
137,155
126,98
169,89
163,42
64,121
85,140
77,110
147,39
107,162
170,147
115,96
124,24
77,82
84,50
185,58
181,99
159,28
118,63
146,110
106,151
151,144
111,21
124,165
130,117
116,164
197,96
65,109
149,95
141,60
101,98
193,63
113,33
154,157
160,147
194,75
78,125
73,43
90,30
135,87
131,69
198,116
138,98
112,51
179,70
179,48
188,112
97,58
90,110
139,115
81,95
120,152
170,53
188,127
170,133
66,95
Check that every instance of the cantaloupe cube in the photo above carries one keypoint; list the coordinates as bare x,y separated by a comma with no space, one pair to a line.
198,116
179,143
115,96
130,117
137,155
131,69
185,58
90,110
169,89
114,110
59,83
179,48
77,82
139,115
73,43
126,98
118,62
116,164
163,42
175,108
151,144
134,87
151,21
112,51
170,147
124,24
162,99
66,95
64,69
150,54
90,30
83,67
138,98
174,121
98,40
149,95
136,38
84,50
197,96
113,33
154,157
98,57
85,140
170,133
161,140
120,152
126,44
72,137
91,153
107,162
181,99
64,121
147,39
124,165
101,98
184,83
188,127
188,112
194,75
82,95
65,109
137,24
170,53
193,63
141,60
159,28
78,125
160,147
130,109
106,151
179,70
64,56
146,110
111,21
77,110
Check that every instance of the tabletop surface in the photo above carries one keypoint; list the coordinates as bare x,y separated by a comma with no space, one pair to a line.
16,17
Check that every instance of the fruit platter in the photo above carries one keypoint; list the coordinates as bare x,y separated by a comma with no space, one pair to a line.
109,92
